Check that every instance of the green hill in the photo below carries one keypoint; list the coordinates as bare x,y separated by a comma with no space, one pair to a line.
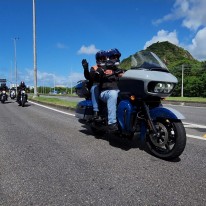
171,54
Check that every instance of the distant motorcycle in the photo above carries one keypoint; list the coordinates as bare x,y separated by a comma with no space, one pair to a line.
3,96
23,98
12,94
139,107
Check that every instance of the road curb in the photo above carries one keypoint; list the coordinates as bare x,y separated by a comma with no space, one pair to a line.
182,103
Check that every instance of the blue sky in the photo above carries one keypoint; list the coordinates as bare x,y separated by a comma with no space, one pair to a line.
69,30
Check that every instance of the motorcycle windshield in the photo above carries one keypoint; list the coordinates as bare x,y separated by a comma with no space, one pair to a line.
147,60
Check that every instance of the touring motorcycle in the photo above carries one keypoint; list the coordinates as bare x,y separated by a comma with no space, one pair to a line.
23,98
3,96
12,94
139,109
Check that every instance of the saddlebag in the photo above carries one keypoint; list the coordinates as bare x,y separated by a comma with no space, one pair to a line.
84,110
83,89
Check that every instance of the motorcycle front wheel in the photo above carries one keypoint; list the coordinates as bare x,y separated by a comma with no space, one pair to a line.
2,100
170,141
23,101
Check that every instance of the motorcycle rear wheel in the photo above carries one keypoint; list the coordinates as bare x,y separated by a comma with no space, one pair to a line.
171,140
3,100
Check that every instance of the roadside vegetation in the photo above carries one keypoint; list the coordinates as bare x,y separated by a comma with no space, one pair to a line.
54,101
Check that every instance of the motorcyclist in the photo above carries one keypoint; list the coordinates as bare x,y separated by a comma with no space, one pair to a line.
12,93
22,86
3,87
93,79
108,77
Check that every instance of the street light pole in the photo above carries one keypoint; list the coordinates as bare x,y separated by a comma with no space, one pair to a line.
15,62
71,87
54,84
34,49
182,88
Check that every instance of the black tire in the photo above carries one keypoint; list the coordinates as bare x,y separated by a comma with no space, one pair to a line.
170,143
3,100
19,102
23,101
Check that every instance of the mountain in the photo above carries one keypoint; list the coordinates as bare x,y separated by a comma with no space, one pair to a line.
171,54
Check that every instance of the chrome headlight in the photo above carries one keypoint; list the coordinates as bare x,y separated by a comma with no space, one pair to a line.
161,87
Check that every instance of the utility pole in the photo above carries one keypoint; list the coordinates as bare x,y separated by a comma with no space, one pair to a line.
182,88
71,86
15,62
34,49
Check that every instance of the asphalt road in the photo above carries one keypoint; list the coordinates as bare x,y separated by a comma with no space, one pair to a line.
195,119
48,158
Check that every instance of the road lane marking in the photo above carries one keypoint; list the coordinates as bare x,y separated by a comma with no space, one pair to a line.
191,125
186,124
56,110
196,137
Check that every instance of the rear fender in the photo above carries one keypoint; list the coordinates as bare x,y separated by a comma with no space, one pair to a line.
84,110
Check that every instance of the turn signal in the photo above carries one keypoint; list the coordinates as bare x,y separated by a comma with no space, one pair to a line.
132,97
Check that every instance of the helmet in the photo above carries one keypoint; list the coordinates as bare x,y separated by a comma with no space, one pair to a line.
101,58
113,56
22,83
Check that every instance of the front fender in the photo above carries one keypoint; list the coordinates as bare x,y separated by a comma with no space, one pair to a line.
165,112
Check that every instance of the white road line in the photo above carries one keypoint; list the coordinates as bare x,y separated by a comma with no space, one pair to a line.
186,124
56,110
196,137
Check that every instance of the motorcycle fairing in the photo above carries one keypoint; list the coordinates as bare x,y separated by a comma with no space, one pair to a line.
166,113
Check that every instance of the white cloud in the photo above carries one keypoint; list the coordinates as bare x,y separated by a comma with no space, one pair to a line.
161,36
193,16
192,13
50,79
88,50
198,45
75,77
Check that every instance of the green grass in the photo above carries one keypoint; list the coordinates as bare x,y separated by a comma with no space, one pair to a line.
55,101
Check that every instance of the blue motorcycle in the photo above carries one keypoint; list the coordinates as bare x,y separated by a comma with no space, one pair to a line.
139,109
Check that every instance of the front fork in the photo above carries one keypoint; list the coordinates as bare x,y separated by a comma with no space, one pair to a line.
147,121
